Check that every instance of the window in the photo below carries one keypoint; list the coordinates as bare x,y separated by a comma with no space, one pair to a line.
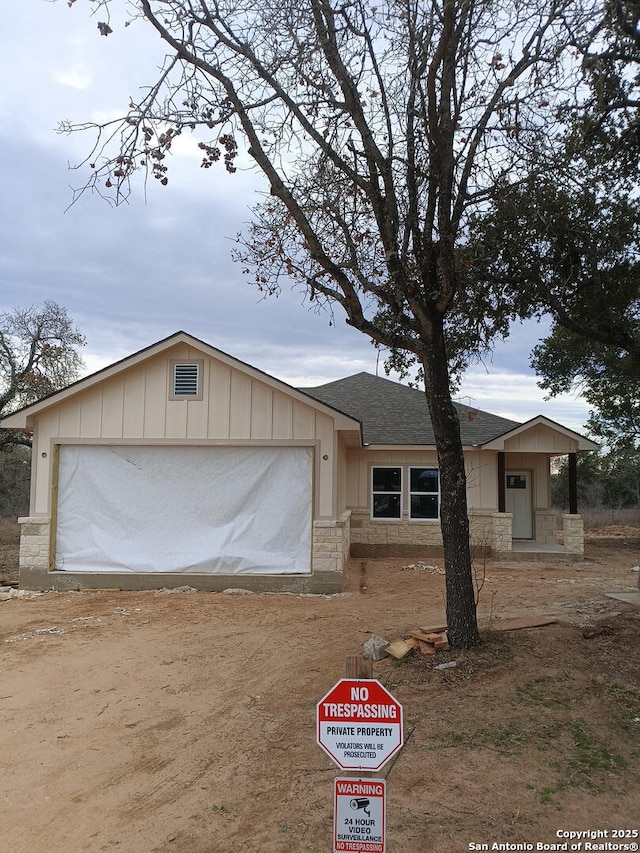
186,380
516,481
386,492
424,497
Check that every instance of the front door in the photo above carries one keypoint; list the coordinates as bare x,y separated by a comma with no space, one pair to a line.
518,502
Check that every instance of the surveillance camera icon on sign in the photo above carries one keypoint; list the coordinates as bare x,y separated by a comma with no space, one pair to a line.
358,803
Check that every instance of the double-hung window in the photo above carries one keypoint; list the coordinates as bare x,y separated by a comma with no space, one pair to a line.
386,492
424,493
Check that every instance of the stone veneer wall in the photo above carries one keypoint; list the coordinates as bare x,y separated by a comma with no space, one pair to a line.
331,544
382,538
371,538
573,534
546,529
491,529
34,547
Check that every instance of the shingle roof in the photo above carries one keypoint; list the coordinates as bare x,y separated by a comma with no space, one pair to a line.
392,413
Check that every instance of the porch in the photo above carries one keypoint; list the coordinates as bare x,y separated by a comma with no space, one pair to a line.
550,544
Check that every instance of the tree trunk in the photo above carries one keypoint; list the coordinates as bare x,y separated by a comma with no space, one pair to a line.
454,519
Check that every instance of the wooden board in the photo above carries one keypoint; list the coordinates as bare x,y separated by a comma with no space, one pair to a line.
517,624
438,629
435,638
356,666
420,635
398,649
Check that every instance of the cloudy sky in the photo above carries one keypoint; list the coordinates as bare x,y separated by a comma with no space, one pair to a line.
132,275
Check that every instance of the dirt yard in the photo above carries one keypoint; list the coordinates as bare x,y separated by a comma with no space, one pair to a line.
185,722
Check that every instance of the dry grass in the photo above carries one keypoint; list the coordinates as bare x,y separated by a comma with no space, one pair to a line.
603,517
9,550
8,529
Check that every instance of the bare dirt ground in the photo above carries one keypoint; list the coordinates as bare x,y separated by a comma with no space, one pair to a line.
164,722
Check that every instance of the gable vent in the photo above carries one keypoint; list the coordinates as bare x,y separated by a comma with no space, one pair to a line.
185,380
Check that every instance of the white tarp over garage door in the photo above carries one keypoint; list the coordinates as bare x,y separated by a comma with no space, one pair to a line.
219,510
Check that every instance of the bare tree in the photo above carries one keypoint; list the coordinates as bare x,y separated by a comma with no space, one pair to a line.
379,127
38,355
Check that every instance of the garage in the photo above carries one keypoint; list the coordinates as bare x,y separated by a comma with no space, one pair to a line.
182,466
186,509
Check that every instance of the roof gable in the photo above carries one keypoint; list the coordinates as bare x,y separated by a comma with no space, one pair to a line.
22,418
541,434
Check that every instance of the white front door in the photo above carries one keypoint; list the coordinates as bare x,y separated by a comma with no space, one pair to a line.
518,502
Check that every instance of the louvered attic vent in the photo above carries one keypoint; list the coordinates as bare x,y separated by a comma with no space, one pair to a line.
186,380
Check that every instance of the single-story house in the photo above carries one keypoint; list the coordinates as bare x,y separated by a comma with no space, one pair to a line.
182,465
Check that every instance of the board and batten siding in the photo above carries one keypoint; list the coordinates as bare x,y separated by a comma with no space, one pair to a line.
362,460
540,438
135,405
482,480
481,468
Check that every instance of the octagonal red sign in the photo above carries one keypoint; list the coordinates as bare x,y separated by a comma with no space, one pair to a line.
359,724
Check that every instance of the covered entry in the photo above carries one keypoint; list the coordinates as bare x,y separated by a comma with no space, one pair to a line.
195,509
523,468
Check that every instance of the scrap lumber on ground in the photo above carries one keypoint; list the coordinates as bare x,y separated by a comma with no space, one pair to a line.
431,639
424,640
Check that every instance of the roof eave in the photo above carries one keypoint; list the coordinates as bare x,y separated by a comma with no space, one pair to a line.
374,446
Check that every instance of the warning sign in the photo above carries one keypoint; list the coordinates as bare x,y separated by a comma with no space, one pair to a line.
358,817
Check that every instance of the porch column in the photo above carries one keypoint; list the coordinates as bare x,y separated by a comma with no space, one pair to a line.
573,484
502,497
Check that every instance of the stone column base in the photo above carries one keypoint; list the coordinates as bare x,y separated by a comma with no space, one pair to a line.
573,534
35,536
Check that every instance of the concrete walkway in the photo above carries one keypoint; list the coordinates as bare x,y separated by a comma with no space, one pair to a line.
531,551
629,597
528,546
